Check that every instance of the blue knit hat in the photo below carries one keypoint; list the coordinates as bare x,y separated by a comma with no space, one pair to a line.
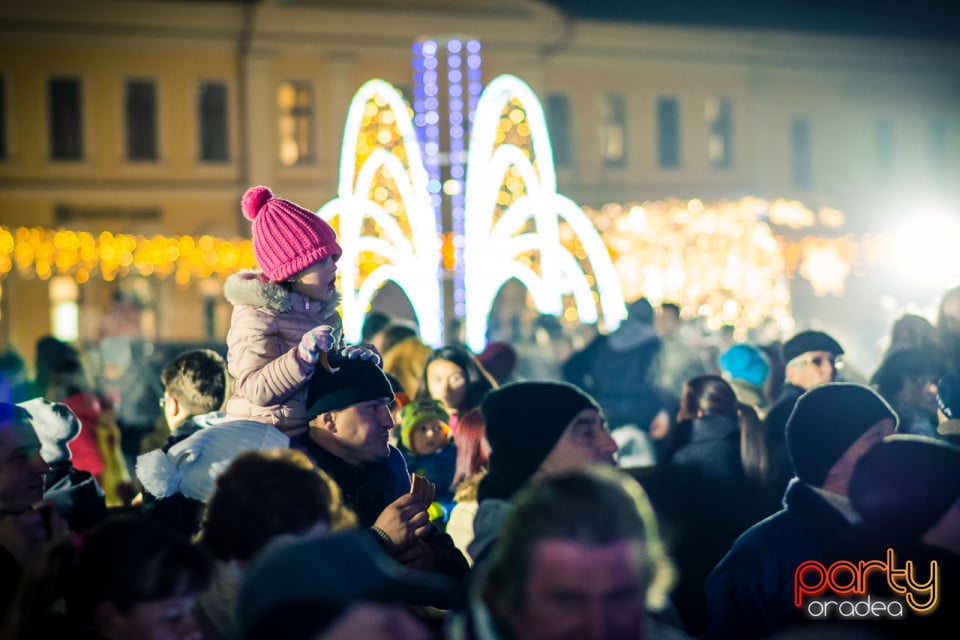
745,362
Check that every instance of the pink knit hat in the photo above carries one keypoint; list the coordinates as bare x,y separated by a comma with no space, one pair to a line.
286,237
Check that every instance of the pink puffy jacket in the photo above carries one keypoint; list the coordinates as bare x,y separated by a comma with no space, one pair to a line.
269,380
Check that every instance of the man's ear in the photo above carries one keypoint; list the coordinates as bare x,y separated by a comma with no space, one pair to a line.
175,405
327,422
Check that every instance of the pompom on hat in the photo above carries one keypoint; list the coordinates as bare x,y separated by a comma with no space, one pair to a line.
286,237
826,420
56,425
191,467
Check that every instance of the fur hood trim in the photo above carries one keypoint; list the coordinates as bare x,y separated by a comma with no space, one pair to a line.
251,287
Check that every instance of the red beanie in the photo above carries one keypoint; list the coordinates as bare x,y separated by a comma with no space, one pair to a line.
286,237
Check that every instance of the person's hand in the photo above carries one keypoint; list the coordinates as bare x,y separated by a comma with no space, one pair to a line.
362,352
403,521
316,340
417,555
423,489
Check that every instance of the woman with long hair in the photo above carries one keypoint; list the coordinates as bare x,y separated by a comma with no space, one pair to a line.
706,496
453,376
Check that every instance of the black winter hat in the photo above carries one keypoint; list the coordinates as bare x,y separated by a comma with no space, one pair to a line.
810,341
352,382
905,484
524,420
826,420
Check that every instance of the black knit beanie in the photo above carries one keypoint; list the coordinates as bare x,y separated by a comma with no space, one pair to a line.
824,423
524,420
904,485
352,382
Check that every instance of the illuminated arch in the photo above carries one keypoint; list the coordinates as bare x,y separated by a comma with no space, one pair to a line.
519,236
383,216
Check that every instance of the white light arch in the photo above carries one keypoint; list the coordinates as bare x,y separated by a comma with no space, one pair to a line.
491,249
412,262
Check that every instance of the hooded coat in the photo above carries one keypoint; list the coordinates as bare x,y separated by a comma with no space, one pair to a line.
267,324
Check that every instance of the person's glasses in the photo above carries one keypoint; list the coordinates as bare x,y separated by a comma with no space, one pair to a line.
818,361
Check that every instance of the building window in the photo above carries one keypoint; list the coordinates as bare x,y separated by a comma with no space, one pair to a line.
883,150
558,121
4,152
64,310
140,106
295,105
613,130
66,118
212,107
801,163
668,133
719,115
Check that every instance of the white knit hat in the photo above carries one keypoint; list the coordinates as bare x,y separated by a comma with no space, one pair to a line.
56,425
191,467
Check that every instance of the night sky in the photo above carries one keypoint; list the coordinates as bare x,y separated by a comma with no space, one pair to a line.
914,19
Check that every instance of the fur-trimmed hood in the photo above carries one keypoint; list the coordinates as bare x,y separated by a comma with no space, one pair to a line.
251,287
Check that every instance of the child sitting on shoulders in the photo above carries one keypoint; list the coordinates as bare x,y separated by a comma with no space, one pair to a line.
285,316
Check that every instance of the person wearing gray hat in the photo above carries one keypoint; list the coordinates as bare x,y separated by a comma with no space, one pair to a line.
750,593
811,358
350,420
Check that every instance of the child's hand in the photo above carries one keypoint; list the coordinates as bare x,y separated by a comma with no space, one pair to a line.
313,342
362,352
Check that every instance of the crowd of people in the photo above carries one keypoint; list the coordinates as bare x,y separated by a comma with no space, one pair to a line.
302,487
